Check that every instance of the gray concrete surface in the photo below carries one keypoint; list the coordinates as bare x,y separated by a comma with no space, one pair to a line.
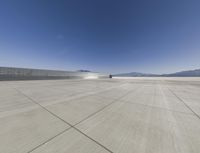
120,115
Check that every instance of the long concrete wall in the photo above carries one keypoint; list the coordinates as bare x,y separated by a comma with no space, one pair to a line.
10,73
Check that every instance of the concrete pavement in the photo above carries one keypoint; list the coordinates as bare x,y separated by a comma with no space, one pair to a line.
120,115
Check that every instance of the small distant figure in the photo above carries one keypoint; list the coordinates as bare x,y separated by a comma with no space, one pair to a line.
110,76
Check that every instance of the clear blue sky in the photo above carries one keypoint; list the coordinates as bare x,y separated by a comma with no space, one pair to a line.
157,36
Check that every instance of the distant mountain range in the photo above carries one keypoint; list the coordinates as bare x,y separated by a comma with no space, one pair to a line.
83,71
135,74
190,73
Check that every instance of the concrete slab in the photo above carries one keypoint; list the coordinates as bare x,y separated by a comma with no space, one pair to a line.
157,96
76,110
119,91
24,131
120,115
49,93
12,102
127,128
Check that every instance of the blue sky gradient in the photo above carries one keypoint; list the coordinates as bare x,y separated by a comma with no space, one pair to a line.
114,36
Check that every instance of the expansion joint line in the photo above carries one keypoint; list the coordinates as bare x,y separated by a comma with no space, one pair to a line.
184,103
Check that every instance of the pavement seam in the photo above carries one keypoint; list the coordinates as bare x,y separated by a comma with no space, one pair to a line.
180,99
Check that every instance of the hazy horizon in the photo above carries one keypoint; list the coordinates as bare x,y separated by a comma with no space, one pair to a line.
106,36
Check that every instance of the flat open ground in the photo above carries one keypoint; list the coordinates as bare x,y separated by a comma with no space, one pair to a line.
138,115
